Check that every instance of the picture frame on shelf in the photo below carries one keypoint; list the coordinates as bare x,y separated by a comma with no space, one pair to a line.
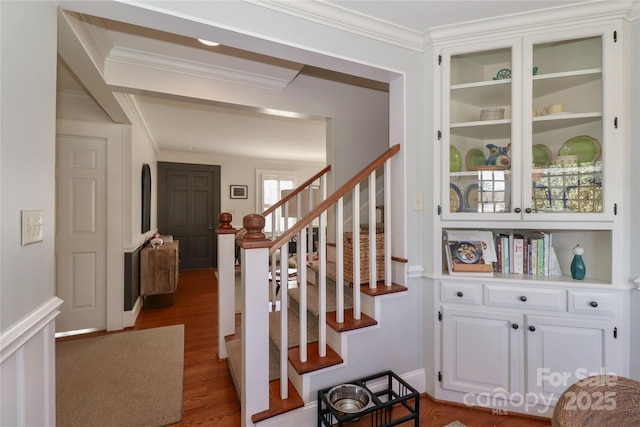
239,191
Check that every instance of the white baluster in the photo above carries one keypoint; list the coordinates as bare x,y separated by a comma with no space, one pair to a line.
340,260
356,252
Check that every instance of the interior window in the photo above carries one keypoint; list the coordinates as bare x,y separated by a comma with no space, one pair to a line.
271,184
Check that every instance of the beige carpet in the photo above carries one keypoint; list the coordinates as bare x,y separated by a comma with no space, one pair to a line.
125,379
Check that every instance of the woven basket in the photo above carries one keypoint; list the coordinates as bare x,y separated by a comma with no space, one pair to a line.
364,256
598,401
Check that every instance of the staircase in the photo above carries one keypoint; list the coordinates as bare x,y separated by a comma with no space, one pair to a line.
272,332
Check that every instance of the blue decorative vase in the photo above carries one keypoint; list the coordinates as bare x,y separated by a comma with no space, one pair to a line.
578,270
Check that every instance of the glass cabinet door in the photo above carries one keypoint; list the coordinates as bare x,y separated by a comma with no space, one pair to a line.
479,87
566,126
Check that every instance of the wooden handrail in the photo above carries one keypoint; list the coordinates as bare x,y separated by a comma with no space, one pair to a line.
299,189
333,198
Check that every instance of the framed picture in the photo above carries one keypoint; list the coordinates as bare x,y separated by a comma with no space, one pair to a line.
238,191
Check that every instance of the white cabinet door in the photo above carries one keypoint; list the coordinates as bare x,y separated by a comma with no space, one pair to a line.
481,351
562,351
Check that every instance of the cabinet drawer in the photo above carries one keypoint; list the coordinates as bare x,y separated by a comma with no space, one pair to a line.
592,302
465,293
511,296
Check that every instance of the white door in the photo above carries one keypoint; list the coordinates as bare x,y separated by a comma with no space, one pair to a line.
562,351
81,233
481,351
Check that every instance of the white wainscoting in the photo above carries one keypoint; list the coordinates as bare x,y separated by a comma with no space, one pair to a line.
27,369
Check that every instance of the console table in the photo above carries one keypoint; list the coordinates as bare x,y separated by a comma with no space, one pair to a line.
159,273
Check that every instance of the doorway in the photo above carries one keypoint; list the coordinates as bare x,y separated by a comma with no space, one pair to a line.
188,209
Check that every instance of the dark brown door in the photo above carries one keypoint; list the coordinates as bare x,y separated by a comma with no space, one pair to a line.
188,208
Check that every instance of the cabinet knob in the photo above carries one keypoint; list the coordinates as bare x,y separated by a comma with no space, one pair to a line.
532,328
460,294
515,326
523,298
593,304
528,210
518,210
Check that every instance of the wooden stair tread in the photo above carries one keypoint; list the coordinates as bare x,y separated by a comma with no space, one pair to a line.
278,406
314,361
349,323
381,289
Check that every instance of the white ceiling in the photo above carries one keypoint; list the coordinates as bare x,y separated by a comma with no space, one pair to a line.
177,125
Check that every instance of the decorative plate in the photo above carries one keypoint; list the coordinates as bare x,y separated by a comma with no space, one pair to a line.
455,159
505,73
475,159
467,252
471,196
541,155
585,147
455,198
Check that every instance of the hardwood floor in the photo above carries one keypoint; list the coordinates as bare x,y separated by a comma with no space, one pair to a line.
209,395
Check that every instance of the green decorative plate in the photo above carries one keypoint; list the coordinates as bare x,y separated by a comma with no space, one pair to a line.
475,159
585,147
455,159
541,155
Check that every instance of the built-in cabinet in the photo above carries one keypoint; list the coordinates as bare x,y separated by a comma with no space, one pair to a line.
502,344
529,138
527,127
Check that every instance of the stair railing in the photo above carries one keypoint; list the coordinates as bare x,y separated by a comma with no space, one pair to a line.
226,259
258,248
320,213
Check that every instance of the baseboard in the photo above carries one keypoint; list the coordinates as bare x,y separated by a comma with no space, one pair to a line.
129,317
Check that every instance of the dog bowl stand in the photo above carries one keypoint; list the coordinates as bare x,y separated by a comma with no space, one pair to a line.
388,391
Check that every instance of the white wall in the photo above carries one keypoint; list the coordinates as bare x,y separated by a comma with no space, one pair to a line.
27,169
27,156
139,149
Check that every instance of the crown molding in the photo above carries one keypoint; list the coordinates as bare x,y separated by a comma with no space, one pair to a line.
138,111
335,16
582,13
131,57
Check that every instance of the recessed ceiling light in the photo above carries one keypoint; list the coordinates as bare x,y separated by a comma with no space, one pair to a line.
191,148
208,43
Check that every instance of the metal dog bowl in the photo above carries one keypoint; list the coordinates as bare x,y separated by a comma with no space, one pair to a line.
349,398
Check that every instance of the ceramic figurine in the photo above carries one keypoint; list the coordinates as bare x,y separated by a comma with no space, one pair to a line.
578,269
499,156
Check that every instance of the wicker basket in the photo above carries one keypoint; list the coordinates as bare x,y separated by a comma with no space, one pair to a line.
364,256
582,403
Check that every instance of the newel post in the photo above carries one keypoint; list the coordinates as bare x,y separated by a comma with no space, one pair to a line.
255,319
226,281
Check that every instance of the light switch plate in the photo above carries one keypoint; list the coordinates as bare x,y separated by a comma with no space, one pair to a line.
32,227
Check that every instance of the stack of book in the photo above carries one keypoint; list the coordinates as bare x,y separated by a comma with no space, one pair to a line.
524,253
470,252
